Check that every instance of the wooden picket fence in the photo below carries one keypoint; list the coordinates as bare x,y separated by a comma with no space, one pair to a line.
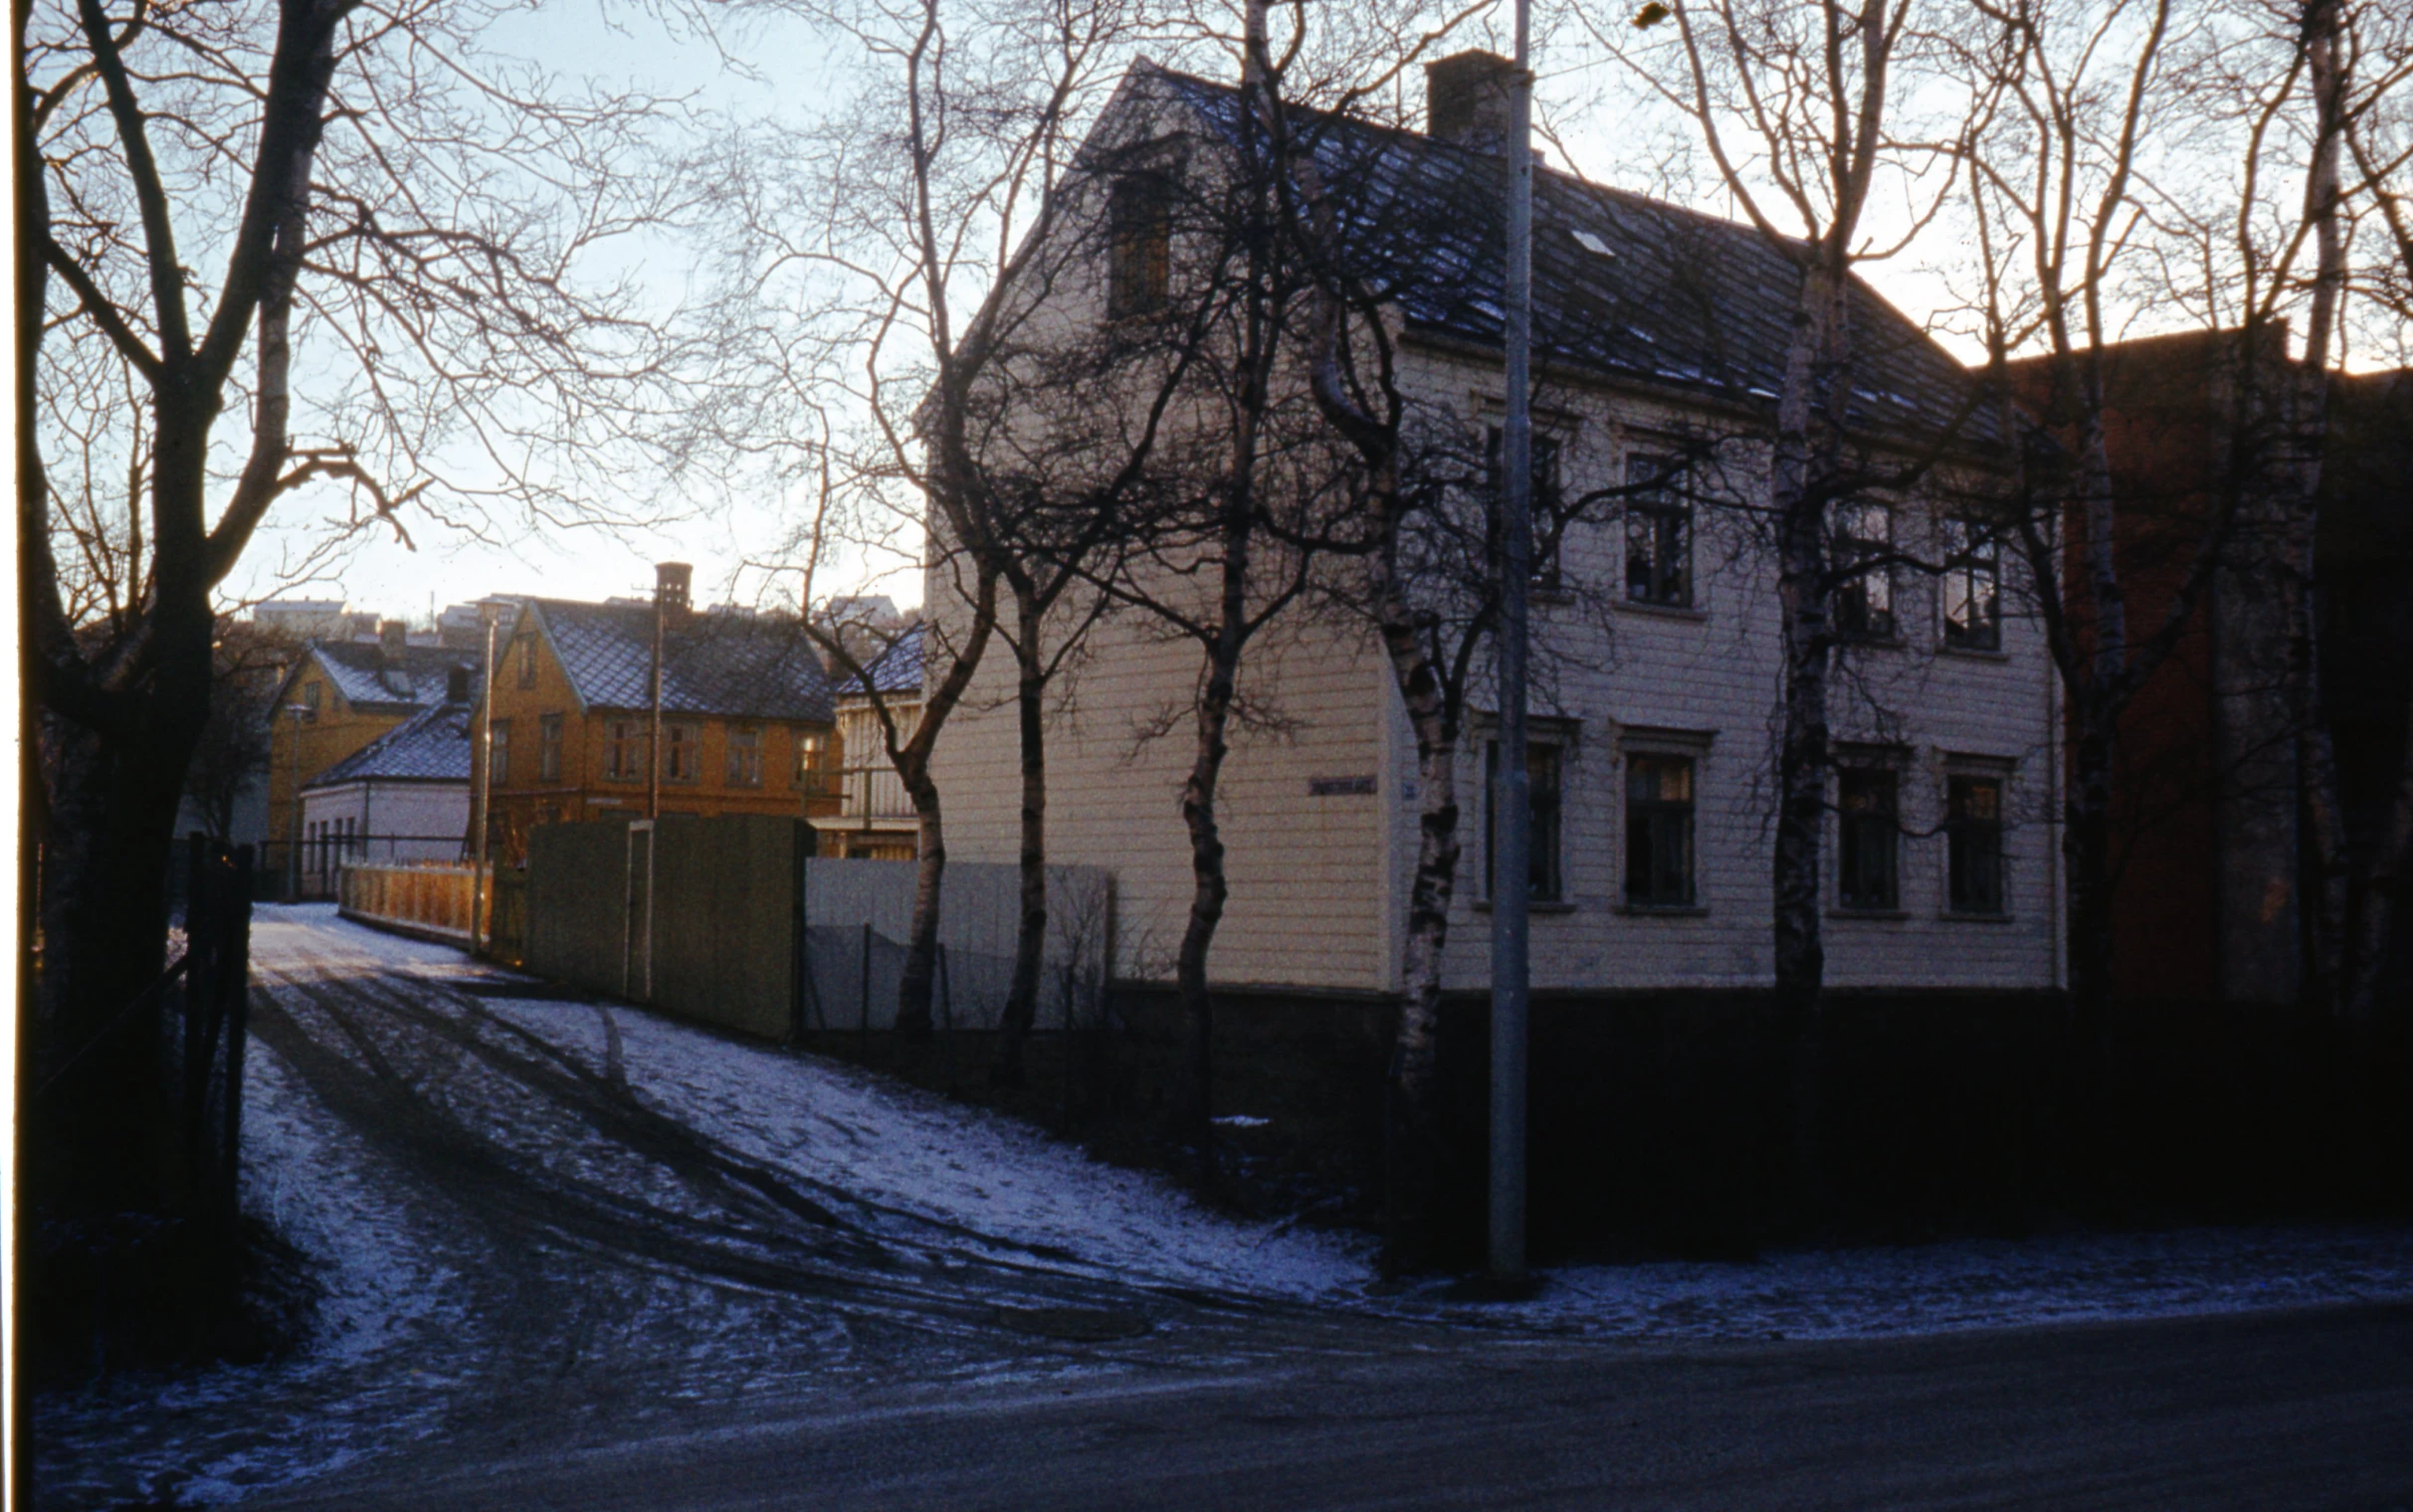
432,899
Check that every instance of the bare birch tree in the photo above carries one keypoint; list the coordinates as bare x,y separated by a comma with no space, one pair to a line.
1792,103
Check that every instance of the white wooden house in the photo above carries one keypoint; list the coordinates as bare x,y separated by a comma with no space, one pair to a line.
1666,326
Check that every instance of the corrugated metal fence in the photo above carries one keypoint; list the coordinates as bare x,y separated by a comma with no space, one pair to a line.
735,921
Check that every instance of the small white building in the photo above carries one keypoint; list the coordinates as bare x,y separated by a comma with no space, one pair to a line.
405,797
875,819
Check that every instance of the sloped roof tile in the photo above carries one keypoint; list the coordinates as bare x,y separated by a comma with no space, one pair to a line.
370,680
431,746
725,665
1623,284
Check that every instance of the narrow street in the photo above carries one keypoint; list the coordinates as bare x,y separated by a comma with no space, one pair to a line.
575,1254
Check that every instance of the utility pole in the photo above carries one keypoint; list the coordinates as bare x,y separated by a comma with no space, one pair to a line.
1511,796
653,740
482,826
673,581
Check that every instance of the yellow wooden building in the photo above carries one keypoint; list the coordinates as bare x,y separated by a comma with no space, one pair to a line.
746,717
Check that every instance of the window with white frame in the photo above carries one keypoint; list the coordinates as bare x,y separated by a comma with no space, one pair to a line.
1658,818
746,756
1971,590
1659,533
624,742
1863,604
683,752
1868,838
1974,850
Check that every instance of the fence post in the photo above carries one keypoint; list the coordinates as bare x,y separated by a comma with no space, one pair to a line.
800,964
237,1015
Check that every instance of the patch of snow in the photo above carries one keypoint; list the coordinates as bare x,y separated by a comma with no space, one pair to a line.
901,1147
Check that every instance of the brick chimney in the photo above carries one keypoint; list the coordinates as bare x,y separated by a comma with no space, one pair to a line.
1468,97
671,583
392,636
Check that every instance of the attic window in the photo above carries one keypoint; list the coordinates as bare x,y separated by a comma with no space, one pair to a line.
1593,244
1139,256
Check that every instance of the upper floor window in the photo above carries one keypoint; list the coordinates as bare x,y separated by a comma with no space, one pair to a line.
1659,832
1864,571
812,756
548,748
1659,533
1973,845
498,752
683,752
624,751
1545,502
746,756
527,661
1541,765
311,692
1868,871
1972,587
1140,246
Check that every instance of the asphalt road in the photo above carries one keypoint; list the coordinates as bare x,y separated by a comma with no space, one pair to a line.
592,1300
2306,1409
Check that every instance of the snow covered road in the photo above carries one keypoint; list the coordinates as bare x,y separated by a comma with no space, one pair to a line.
564,1221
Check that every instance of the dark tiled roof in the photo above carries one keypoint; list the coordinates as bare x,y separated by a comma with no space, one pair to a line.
1667,297
726,665
898,669
431,746
370,678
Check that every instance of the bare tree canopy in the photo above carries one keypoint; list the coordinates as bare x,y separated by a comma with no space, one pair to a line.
281,253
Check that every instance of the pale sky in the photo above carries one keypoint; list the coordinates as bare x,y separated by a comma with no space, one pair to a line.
717,535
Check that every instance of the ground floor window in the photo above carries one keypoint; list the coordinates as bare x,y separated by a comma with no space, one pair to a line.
1973,843
1543,803
1659,831
1868,871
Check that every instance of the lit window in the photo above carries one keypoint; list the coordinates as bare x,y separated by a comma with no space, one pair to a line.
1973,841
1864,589
1659,535
1659,832
1541,765
1972,587
1868,839
811,754
745,757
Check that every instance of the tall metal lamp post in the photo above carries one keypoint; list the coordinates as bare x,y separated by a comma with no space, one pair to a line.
1511,790
481,824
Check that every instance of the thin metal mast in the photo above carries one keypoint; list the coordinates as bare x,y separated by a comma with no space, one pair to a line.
1511,799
